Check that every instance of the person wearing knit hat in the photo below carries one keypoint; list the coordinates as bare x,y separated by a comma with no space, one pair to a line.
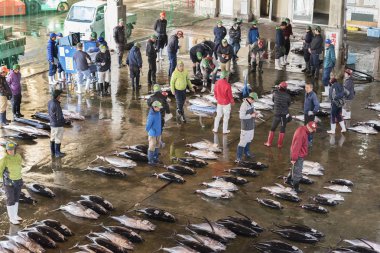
328,65
280,47
306,45
14,82
225,53
336,97
151,53
208,70
197,52
316,48
172,48
134,62
235,37
52,58
258,54
103,63
220,33
349,88
288,31
120,40
56,124
162,37
5,95
154,129
253,36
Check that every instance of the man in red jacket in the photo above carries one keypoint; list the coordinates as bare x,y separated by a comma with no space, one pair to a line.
298,151
224,98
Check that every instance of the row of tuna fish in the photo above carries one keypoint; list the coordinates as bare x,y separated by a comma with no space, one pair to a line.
89,207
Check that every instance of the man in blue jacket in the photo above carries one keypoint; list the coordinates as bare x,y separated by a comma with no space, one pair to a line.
154,129
310,107
134,61
280,47
253,36
173,47
219,33
56,124
52,58
328,65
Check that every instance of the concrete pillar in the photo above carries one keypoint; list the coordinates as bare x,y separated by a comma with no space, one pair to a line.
335,29
115,11
206,8
376,67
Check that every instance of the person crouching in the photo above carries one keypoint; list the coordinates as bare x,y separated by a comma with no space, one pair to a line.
154,129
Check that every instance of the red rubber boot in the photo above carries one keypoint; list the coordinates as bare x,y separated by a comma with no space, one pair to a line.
281,137
270,139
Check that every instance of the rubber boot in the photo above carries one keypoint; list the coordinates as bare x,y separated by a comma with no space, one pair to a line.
88,84
52,148
101,89
297,188
277,64
326,93
261,66
282,61
239,154
4,118
288,180
58,152
195,70
11,215
106,87
347,116
183,119
343,126
270,139
247,152
286,59
280,141
332,131
155,156
79,88
204,86
151,157
16,212
254,66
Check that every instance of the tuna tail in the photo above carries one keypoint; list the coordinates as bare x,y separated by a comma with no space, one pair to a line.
154,175
97,157
245,216
115,153
74,246
174,158
361,239
212,228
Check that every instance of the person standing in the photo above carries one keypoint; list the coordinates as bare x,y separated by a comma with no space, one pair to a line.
280,47
306,45
287,32
282,101
349,87
225,53
134,61
11,175
178,83
56,124
258,51
336,96
310,107
328,65
120,40
253,36
82,61
61,71
162,98
151,53
316,48
298,152
219,33
247,115
162,37
224,98
5,95
103,62
235,38
14,82
173,47
154,129
52,58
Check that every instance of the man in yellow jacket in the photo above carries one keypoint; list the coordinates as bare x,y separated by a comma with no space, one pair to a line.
178,83
10,173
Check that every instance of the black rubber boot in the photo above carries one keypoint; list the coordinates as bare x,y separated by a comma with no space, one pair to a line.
58,152
52,148
297,188
195,71
100,89
261,67
288,180
254,66
106,87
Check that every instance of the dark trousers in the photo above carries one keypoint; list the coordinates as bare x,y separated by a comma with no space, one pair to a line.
59,67
12,192
134,73
297,171
16,103
52,69
217,43
279,52
236,47
279,119
152,70
326,76
172,62
336,114
180,98
287,46
315,64
307,119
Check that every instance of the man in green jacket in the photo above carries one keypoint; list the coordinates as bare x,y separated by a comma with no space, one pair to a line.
178,83
10,174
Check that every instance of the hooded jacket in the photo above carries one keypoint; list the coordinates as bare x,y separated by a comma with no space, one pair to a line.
55,113
13,164
219,33
253,35
329,61
180,80
14,82
158,96
134,58
153,123
300,143
103,58
223,92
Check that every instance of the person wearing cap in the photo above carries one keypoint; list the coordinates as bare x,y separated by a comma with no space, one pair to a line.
235,38
287,32
225,53
120,40
306,45
5,95
134,61
310,107
336,96
93,36
14,82
11,176
281,100
52,58
208,70
103,63
154,129
328,65
253,36
258,54
298,152
224,98
82,62
102,41
247,115
57,122
197,53
280,47
316,48
151,53
162,37
173,47
349,89
161,97
179,82
219,33
60,70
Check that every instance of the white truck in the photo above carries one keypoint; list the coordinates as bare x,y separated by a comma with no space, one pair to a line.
87,16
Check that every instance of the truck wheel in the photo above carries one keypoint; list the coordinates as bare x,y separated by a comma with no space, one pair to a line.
32,7
63,7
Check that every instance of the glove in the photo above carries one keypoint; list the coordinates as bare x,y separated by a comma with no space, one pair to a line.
310,113
293,162
103,63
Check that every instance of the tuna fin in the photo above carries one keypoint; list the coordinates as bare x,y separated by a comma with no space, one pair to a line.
74,246
361,239
245,216
212,228
160,249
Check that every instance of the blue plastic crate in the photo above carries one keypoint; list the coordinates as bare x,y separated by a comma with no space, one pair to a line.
351,59
373,32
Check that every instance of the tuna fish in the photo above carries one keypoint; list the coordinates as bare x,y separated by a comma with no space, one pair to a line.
107,244
46,117
39,238
143,148
50,232
296,236
232,179
312,171
252,165
93,247
21,136
364,129
26,198
78,210
201,102
27,243
157,214
306,180
33,123
202,154
181,169
301,118
267,101
325,105
246,221
99,200
374,106
340,181
108,171
179,249
13,247
354,249
117,161
314,208
216,193
133,155
205,145
237,228
169,176
364,243
41,190
72,115
263,106
210,98
28,130
279,188
241,171
213,227
125,232
211,243
94,206
57,226
303,229
336,197
275,246
308,163
191,161
286,196
193,243
325,201
135,223
338,188
117,239
221,184
270,203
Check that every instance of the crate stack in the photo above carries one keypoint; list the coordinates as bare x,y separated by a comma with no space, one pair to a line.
10,46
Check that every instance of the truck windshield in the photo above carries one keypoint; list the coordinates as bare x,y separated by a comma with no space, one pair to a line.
81,14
